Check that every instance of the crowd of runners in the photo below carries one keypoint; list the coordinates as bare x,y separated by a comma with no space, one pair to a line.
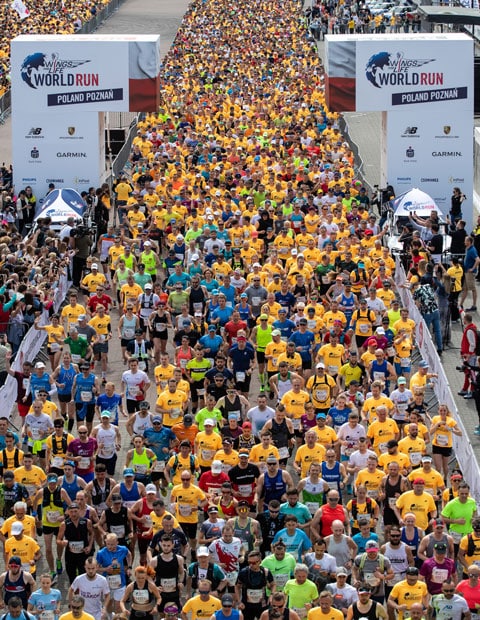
266,451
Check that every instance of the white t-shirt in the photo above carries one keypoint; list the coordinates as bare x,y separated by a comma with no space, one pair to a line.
93,591
352,435
259,418
133,381
357,459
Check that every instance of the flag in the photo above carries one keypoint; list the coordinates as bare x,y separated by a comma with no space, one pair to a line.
19,6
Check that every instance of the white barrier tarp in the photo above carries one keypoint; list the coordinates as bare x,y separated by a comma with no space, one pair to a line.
28,350
464,452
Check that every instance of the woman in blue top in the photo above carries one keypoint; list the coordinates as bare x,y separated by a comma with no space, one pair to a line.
208,281
39,379
85,388
45,599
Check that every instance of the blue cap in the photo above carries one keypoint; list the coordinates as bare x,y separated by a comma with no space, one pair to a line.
128,471
212,328
244,295
321,415
215,291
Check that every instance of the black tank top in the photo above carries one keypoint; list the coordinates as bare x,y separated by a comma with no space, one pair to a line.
138,594
229,407
197,296
280,433
371,614
166,570
76,533
99,496
390,490
16,588
117,522
157,322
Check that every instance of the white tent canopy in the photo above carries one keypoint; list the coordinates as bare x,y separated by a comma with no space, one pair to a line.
60,204
414,201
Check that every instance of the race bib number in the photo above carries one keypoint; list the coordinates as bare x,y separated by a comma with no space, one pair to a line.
254,596
321,395
185,510
85,396
283,452
301,612
280,580
140,469
364,328
457,537
392,502
48,614
168,585
396,579
158,466
240,376
129,333
373,493
371,579
296,423
405,362
390,351
142,365
54,347
245,490
53,516
439,575
207,455
332,370
76,546
313,507
76,358
415,458
119,530
231,577
378,376
114,582
141,597
26,567
84,463
58,462
441,439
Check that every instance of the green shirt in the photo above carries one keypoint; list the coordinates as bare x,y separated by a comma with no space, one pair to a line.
205,414
282,570
77,347
456,510
142,279
300,595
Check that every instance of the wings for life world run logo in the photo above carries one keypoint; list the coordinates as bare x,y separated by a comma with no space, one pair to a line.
385,69
39,70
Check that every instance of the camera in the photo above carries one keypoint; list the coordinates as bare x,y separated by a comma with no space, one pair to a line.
79,231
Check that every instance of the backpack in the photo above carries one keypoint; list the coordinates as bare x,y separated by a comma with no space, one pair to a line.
470,545
16,460
355,507
192,464
381,561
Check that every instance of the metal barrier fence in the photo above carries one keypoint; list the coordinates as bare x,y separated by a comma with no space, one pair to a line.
87,28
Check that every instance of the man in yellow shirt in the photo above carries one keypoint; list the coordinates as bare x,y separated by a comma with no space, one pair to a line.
382,430
434,483
261,451
407,592
325,611
71,312
420,503
186,499
204,605
171,403
94,279
130,292
310,452
20,516
25,547
207,443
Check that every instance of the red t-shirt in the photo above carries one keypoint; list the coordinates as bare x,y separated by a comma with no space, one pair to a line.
232,330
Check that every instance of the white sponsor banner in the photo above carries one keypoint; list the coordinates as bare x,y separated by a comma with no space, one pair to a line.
433,152
84,72
28,350
462,447
61,148
19,6
414,71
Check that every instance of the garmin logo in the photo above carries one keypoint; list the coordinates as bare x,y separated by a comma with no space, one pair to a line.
446,154
72,155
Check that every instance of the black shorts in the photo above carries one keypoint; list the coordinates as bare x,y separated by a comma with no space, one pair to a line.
157,475
160,335
143,543
441,450
306,364
360,341
133,405
47,529
261,357
194,388
190,530
109,464
168,598
124,341
64,398
90,412
50,352
244,386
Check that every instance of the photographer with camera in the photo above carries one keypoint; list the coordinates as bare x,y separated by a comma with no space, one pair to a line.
81,242
468,348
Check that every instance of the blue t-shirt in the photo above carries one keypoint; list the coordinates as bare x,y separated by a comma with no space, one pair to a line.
305,341
286,300
110,403
286,328
360,541
184,278
157,440
297,544
45,602
223,314
213,344
229,292
106,557
299,510
470,257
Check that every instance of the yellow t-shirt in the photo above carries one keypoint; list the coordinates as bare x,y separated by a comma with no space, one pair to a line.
370,480
306,456
420,505
206,446
173,406
402,459
182,464
25,549
33,479
186,502
442,437
201,610
406,594
380,434
72,313
29,527
158,520
317,614
162,375
295,403
101,325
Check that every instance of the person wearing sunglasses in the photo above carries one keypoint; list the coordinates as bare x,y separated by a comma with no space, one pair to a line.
448,604
406,593
199,606
227,611
76,612
250,589
470,589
